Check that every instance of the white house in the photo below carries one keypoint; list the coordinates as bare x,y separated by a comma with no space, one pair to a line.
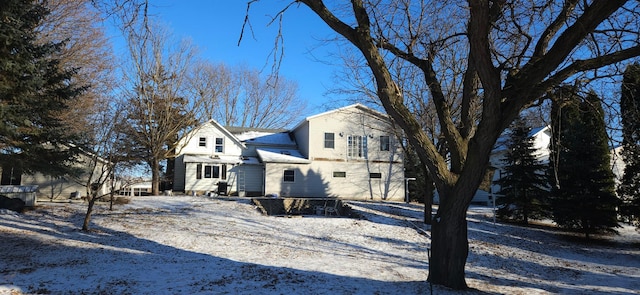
348,153
541,140
62,187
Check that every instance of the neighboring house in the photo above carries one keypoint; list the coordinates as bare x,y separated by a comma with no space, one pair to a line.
134,187
63,187
541,140
348,153
617,163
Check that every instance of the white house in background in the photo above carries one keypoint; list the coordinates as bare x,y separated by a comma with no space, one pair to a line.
62,187
541,140
348,153
617,163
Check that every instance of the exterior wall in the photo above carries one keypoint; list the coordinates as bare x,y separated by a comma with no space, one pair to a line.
62,187
617,164
351,121
185,172
210,132
204,185
253,180
317,180
56,188
302,139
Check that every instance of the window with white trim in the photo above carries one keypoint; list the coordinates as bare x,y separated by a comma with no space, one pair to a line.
219,145
329,140
212,171
202,141
357,146
385,143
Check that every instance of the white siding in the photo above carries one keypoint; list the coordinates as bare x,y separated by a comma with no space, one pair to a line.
344,123
210,132
318,176
192,183
316,180
253,179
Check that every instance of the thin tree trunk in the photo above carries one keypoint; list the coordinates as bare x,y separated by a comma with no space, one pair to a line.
155,178
87,217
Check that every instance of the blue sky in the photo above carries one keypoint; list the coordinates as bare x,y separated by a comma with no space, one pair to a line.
215,26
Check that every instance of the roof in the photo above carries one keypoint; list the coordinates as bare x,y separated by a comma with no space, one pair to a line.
290,156
261,138
221,159
239,130
503,139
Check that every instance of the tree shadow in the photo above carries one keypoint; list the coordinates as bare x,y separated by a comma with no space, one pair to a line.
577,263
545,260
53,256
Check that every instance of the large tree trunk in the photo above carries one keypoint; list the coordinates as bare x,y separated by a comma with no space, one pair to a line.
449,249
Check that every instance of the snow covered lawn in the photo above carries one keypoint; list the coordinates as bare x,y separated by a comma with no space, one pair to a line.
198,245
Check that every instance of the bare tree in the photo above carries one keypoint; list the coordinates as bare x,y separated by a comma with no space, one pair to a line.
160,111
107,154
240,96
515,52
77,24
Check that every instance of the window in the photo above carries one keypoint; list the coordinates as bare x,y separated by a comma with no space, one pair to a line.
11,176
212,171
339,174
219,145
357,146
375,175
329,140
216,172
289,176
199,171
203,141
385,143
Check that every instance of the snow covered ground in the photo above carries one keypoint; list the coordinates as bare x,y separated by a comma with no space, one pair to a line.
198,245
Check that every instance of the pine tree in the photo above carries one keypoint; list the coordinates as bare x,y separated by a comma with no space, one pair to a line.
583,191
33,90
523,185
629,188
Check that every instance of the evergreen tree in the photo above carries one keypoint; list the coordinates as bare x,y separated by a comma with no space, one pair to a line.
629,188
523,186
583,191
33,90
